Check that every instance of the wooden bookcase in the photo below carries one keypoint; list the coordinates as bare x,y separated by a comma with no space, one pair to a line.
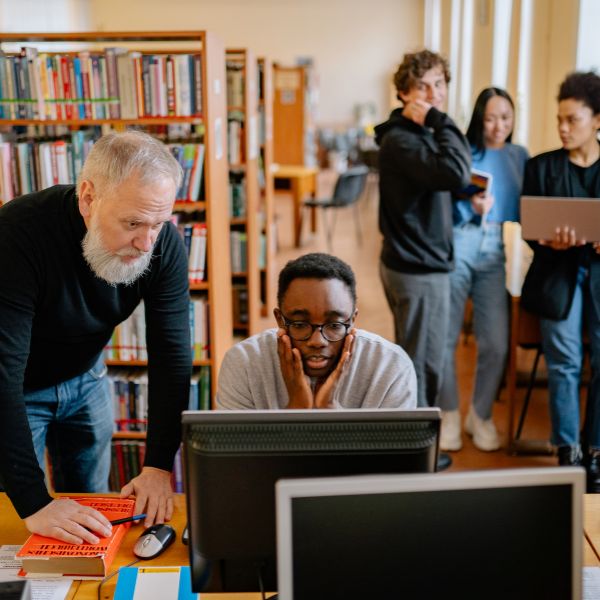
212,123
243,149
268,272
294,138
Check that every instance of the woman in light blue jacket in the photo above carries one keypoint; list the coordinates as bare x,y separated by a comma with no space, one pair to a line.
480,269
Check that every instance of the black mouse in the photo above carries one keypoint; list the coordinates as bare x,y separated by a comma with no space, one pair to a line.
154,541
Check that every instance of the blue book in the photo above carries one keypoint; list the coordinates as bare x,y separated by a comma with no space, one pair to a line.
154,583
79,87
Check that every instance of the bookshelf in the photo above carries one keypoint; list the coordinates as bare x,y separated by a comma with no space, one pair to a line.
294,104
197,116
268,275
244,195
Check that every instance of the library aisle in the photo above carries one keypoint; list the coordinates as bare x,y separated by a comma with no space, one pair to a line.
374,315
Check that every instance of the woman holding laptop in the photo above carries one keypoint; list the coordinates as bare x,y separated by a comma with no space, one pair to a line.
479,270
563,282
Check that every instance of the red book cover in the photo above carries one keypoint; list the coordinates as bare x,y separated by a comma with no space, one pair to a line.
64,69
42,554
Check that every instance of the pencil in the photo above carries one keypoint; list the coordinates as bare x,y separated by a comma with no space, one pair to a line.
127,519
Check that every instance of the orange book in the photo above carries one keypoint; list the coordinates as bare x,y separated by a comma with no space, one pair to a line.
42,554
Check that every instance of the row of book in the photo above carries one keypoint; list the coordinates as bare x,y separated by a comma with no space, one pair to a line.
29,166
128,341
235,84
237,194
239,255
110,84
127,460
239,297
235,133
129,393
194,239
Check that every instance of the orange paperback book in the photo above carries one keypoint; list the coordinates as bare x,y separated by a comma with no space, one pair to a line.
42,554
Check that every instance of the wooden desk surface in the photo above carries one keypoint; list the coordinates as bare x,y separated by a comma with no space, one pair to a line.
13,531
290,171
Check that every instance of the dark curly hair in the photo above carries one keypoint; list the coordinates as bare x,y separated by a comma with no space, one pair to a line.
584,87
414,66
316,265
475,131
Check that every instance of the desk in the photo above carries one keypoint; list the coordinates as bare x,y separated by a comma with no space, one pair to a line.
13,531
303,182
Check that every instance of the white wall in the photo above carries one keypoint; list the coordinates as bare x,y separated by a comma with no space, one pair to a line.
588,50
42,15
356,44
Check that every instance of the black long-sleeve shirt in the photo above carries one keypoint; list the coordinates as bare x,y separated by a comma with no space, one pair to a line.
418,168
56,316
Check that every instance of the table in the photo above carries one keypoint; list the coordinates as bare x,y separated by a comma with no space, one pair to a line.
303,183
13,531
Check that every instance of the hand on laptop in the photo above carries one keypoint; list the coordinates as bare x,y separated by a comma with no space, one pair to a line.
565,238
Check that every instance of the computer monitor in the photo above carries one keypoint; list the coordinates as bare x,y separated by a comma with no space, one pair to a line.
234,458
497,534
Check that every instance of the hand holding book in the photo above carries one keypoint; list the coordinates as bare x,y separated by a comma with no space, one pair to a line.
69,521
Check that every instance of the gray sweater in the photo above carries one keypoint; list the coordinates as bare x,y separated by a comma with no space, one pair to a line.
379,375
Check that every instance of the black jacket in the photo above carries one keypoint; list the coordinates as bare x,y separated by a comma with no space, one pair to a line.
418,169
552,277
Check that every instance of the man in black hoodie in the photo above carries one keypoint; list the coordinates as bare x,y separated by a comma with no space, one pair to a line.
423,157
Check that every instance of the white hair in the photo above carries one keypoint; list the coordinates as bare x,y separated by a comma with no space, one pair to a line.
116,157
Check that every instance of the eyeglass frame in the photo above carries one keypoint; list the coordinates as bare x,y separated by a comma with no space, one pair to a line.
287,322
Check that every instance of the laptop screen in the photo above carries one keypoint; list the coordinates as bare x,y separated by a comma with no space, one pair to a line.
487,534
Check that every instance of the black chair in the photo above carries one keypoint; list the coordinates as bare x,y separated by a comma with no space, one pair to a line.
348,189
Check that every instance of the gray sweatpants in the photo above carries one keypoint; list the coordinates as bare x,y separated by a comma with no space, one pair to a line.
421,308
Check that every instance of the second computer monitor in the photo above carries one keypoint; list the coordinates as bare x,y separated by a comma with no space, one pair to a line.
506,534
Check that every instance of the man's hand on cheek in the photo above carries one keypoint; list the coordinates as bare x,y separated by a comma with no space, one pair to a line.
325,394
292,371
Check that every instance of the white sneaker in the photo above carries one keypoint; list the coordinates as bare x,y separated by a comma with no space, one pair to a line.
485,434
450,438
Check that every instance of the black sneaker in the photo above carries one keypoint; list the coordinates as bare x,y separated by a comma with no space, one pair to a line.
593,472
444,461
570,456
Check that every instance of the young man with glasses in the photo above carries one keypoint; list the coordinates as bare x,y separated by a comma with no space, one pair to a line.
317,358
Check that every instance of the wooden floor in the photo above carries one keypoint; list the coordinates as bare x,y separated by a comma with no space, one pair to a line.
374,315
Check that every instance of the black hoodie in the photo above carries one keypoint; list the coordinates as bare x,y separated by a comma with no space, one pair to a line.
418,168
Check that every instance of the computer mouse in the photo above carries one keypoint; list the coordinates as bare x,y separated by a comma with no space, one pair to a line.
154,541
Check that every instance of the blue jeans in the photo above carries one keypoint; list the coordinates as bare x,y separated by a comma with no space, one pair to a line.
74,419
479,272
562,343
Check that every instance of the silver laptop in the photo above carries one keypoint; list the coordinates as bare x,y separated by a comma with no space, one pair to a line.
541,215
511,533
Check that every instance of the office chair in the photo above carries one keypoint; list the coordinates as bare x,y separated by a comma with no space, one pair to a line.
348,189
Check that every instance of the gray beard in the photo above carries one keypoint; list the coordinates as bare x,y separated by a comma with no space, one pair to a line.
109,266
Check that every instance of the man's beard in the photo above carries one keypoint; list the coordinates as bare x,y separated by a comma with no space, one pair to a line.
109,265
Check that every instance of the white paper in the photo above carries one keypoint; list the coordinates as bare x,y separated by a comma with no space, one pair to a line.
160,583
41,589
591,583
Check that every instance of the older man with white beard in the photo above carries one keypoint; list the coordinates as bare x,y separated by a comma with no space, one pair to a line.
73,264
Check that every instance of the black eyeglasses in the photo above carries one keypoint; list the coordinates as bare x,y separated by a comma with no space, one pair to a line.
303,330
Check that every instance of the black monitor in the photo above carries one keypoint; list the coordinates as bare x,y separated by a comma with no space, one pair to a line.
234,458
496,534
